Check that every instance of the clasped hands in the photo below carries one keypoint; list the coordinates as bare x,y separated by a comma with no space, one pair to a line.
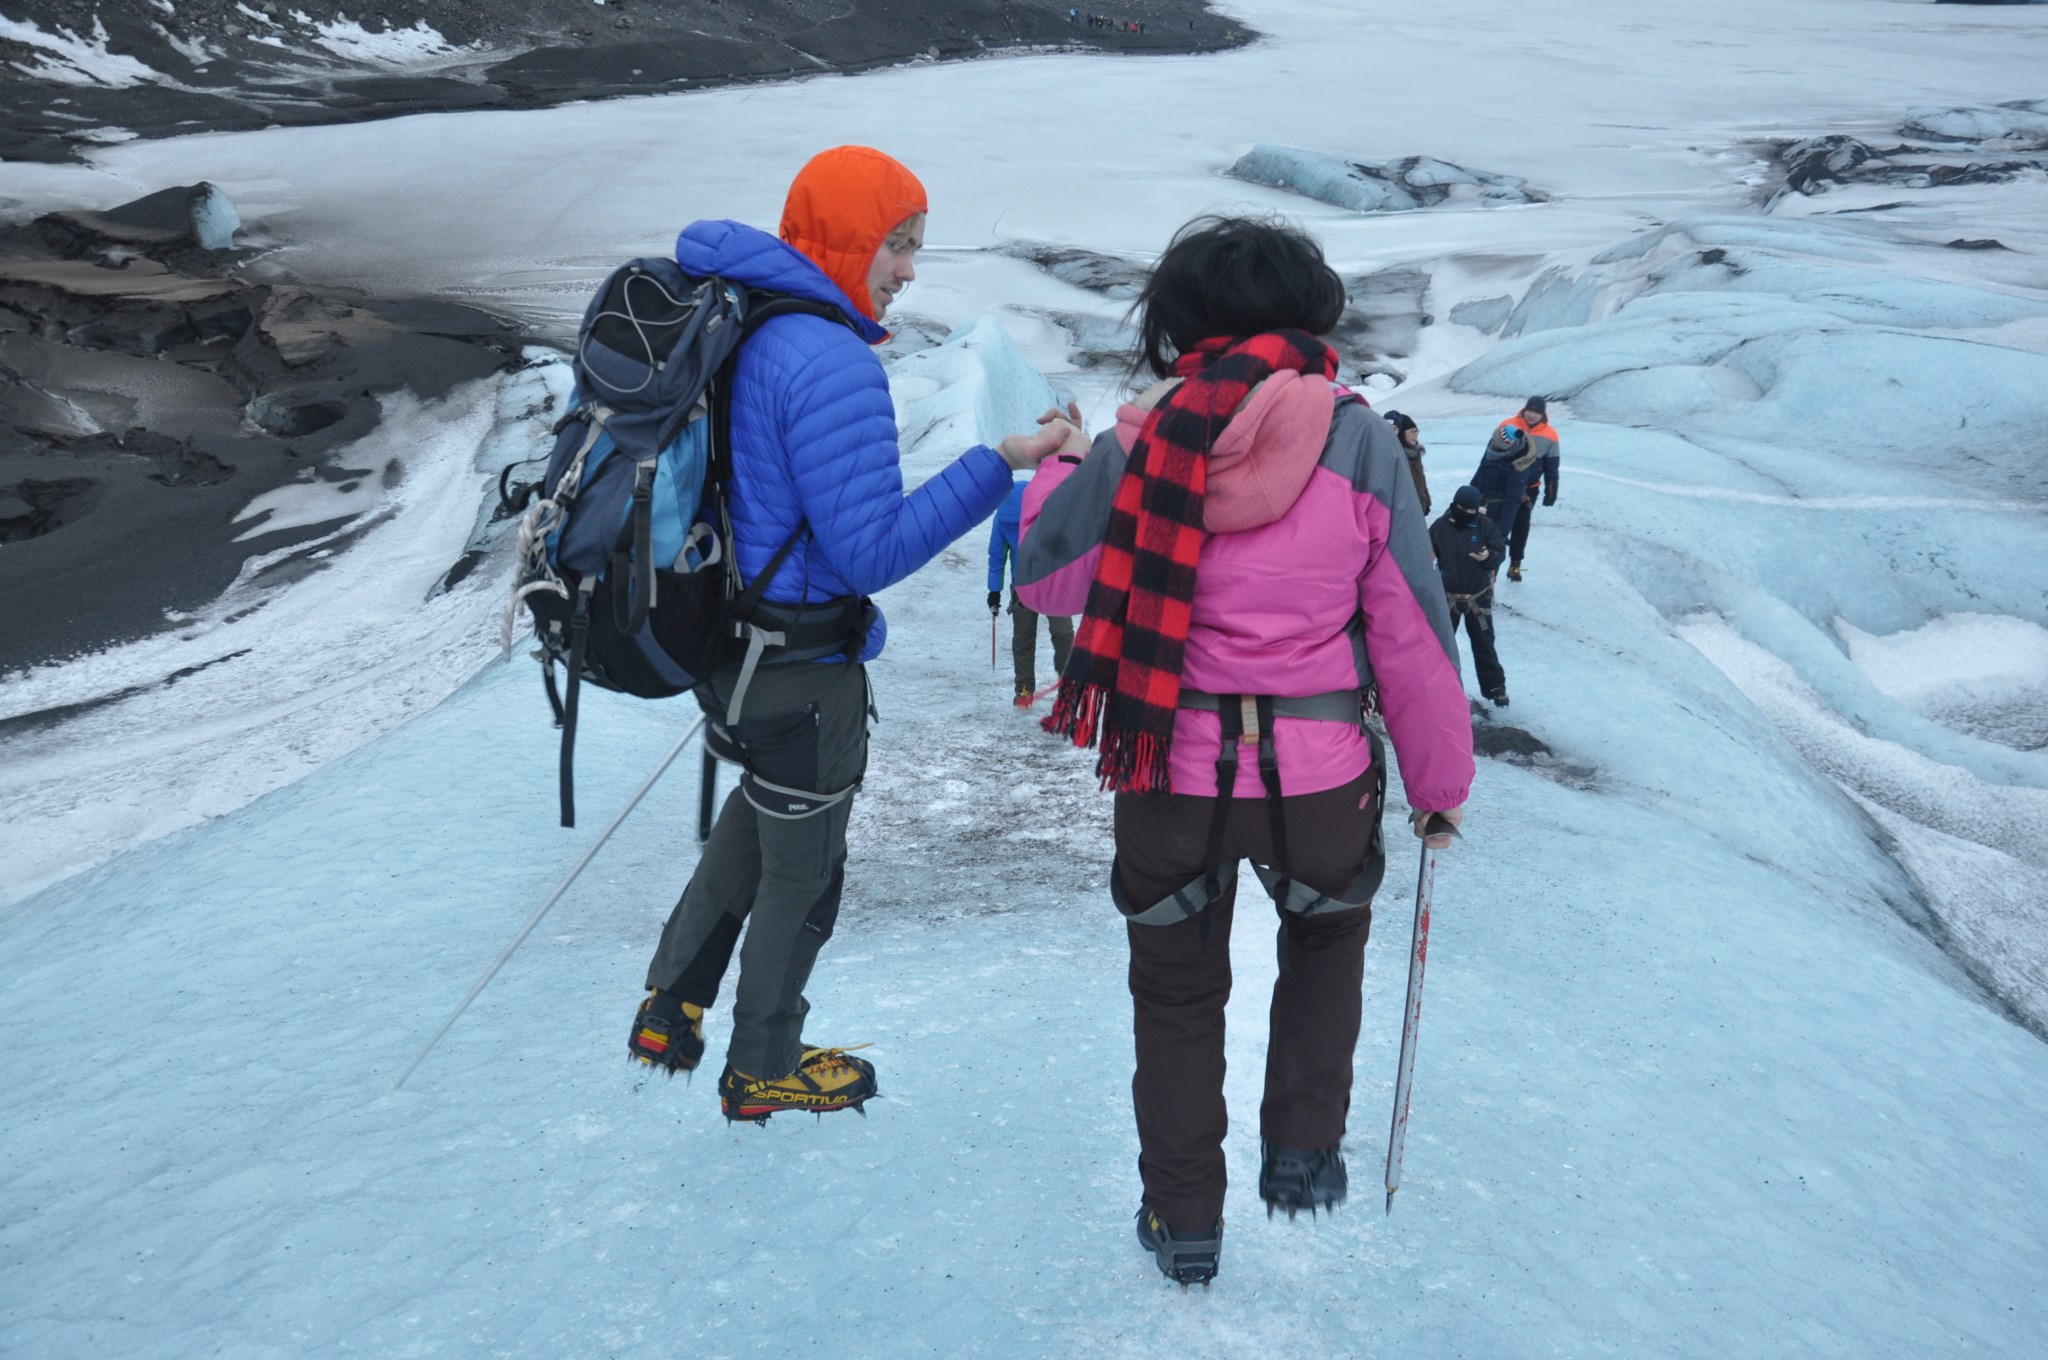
1058,432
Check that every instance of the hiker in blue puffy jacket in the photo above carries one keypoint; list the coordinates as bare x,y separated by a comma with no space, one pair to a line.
816,483
1002,552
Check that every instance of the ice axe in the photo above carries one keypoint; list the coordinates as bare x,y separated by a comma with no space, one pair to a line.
1411,1018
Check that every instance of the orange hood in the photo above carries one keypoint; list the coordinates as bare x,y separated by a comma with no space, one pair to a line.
841,207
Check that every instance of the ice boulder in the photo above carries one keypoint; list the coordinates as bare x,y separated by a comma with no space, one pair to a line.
2021,125
1484,314
1947,146
973,388
198,211
1362,186
1112,276
1816,162
168,223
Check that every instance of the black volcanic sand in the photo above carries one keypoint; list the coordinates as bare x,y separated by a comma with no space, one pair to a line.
527,53
147,395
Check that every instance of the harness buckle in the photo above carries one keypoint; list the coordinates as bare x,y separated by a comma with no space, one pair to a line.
1248,716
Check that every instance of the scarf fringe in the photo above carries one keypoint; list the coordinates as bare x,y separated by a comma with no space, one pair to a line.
1135,762
1130,760
1076,711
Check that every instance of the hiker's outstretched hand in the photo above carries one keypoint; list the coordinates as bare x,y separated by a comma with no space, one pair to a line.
1027,451
1078,441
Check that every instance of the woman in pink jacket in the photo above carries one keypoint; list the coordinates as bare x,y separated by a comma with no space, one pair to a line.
1252,566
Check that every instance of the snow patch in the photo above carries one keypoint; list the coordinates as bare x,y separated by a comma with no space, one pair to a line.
193,50
1984,674
104,136
296,664
396,48
72,60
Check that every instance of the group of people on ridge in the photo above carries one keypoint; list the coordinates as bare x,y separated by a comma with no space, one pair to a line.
1248,556
1488,523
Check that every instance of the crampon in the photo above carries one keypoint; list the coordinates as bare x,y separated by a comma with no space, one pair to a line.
826,1079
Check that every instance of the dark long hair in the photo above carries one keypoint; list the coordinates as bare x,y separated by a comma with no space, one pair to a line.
1234,276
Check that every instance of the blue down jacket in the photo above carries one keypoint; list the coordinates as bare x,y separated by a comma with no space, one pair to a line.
1002,535
814,441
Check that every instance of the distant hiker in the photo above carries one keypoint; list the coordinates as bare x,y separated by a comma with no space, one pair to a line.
1545,476
1523,448
1240,540
817,504
1468,549
1002,551
1411,444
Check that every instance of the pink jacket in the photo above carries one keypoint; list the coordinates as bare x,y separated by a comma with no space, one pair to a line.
1317,544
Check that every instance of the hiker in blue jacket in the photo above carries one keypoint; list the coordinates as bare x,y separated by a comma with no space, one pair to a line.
816,483
1002,551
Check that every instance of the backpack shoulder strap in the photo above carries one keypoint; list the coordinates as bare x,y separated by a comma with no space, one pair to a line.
762,307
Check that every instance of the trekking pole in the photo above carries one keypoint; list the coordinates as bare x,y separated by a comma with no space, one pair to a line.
553,897
1411,1020
991,639
707,795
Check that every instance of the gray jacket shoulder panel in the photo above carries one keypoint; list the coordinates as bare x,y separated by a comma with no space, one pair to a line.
1364,450
1075,516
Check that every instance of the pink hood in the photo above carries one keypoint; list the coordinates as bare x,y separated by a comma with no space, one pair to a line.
1264,457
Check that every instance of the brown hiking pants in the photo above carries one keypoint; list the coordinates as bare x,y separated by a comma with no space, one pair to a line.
1180,980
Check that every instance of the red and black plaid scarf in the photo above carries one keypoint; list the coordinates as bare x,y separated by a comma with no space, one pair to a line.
1122,682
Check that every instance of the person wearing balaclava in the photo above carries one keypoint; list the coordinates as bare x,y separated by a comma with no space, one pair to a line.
1468,547
818,509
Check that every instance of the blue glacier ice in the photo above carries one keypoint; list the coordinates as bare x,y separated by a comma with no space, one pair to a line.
1395,186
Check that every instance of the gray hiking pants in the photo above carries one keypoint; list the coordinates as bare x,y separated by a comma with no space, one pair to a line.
776,860
1024,642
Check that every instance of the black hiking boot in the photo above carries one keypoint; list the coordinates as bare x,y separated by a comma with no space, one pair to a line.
1500,698
1300,1178
826,1079
668,1033
1184,1258
1514,571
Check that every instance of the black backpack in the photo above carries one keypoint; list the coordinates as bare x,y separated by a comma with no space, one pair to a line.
625,556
